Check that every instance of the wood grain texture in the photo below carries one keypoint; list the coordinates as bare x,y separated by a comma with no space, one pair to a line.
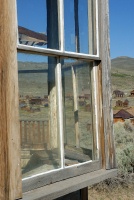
84,194
67,186
10,174
106,85
75,82
45,179
97,109
77,195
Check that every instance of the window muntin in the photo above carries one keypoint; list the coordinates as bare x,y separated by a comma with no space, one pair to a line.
40,148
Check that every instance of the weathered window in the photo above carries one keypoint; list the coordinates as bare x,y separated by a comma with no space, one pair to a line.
55,93
64,117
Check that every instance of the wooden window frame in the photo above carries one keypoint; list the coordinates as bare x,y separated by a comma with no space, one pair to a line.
10,167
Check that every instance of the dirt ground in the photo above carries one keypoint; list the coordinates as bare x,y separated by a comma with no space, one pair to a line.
120,193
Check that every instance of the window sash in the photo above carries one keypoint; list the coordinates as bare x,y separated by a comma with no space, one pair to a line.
61,50
59,175
77,169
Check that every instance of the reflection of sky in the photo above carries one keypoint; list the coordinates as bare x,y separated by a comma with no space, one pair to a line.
69,25
32,15
31,58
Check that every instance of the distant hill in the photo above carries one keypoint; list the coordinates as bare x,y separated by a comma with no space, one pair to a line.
123,62
122,71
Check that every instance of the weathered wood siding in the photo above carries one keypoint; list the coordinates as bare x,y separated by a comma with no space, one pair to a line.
10,174
106,85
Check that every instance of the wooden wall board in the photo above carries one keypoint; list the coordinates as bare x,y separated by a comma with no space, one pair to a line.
10,173
107,140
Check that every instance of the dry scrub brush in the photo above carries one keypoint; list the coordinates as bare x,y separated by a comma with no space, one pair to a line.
124,143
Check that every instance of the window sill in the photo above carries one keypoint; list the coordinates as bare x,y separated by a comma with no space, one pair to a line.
67,186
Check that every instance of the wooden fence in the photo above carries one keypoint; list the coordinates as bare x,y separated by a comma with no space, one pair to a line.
34,134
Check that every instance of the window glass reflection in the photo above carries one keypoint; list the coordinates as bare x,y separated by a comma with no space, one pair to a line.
40,150
38,23
78,133
79,26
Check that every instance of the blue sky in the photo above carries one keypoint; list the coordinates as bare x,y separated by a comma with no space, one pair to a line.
122,28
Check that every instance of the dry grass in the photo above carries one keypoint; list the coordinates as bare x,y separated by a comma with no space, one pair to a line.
119,193
113,189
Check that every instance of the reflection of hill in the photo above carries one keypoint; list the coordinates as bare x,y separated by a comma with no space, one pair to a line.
31,65
32,78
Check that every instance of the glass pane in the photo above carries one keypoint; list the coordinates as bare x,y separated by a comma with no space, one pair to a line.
78,133
79,26
38,23
40,151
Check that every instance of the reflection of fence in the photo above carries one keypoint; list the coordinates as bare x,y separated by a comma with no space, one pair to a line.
34,134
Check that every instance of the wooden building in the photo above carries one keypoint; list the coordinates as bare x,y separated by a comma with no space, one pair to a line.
120,103
118,93
132,93
122,115
126,103
54,153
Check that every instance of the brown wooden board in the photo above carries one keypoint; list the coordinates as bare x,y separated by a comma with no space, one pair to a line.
10,174
106,85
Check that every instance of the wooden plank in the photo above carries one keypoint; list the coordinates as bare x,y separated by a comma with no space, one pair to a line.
76,120
90,27
100,117
95,110
58,175
21,136
60,115
64,187
106,85
39,133
25,132
84,193
10,173
33,133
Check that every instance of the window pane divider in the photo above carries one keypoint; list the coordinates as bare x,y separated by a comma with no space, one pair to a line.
30,49
61,24
57,175
97,28
60,111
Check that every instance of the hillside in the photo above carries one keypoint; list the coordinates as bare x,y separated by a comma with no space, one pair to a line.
122,71
123,62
